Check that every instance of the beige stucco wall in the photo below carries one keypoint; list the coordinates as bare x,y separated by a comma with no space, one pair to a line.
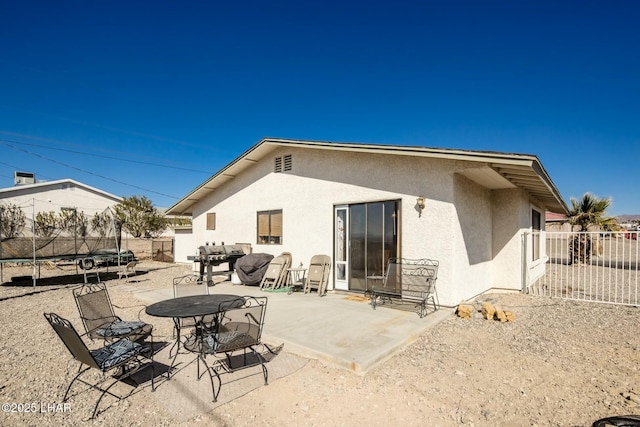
512,241
472,231
510,209
472,226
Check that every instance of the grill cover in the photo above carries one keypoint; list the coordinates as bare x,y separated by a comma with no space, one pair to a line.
251,268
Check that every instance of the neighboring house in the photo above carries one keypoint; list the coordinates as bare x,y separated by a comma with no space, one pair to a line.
557,222
55,196
361,205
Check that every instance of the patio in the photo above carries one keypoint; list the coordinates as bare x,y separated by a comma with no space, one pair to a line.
340,329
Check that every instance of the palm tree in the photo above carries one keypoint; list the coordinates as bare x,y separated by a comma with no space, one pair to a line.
589,211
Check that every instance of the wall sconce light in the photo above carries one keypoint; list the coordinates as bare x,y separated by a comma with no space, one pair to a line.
420,205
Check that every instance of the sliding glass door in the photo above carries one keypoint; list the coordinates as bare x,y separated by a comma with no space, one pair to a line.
370,239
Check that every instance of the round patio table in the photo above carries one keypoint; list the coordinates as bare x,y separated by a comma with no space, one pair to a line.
194,305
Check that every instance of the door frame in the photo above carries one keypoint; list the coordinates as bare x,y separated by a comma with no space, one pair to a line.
343,282
341,266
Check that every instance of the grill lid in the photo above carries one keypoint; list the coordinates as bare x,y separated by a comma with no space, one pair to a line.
220,251
212,250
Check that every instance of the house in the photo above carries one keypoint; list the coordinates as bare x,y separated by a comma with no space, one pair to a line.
51,241
557,222
362,204
55,196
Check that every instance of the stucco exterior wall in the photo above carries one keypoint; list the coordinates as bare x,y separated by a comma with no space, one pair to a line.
512,211
474,232
455,226
472,227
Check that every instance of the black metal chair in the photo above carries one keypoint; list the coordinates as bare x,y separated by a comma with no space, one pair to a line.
99,319
123,357
235,330
183,286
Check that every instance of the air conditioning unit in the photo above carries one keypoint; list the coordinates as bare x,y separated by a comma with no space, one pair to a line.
22,178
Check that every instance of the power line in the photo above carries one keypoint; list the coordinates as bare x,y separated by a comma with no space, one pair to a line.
88,172
8,143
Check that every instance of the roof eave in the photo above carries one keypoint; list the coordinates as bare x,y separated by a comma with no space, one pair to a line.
552,200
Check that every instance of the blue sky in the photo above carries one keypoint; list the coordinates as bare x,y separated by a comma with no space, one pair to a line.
153,97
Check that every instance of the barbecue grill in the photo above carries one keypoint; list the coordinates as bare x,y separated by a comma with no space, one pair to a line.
214,255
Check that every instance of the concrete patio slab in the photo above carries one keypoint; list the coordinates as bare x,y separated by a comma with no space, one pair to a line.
340,329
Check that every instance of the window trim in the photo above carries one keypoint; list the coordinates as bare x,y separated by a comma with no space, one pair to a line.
270,238
535,234
211,221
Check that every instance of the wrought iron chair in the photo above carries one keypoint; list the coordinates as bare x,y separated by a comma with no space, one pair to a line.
186,286
99,319
189,285
237,329
123,357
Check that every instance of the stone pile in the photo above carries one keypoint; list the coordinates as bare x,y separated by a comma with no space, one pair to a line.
488,310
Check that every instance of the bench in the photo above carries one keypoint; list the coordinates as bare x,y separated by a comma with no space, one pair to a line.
408,281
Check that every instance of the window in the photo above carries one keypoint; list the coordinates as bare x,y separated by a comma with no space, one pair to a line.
211,221
284,163
270,227
535,227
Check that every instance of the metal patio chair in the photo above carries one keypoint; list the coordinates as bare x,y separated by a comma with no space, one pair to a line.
99,319
234,338
124,358
186,286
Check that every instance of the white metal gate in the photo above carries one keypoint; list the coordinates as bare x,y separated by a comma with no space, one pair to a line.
589,266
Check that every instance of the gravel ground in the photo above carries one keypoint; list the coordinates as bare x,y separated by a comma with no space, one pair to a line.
561,363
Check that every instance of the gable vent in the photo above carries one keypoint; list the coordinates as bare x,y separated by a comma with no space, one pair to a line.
283,164
288,162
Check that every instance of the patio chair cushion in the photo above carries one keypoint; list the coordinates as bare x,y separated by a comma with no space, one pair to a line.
227,341
119,328
116,353
214,340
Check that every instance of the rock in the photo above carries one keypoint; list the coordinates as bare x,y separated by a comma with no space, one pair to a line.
510,316
465,311
499,315
488,310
